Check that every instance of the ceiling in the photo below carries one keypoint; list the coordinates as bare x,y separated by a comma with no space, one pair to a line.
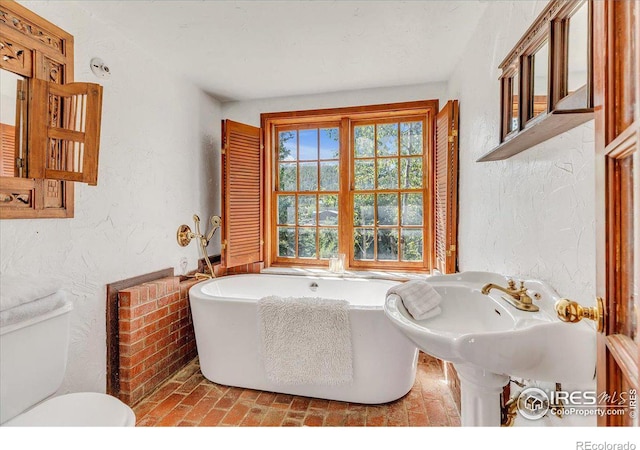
240,50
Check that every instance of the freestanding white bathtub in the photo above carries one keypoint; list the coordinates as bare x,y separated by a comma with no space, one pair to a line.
226,327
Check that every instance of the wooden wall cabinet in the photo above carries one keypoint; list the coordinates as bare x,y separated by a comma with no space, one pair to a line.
51,139
546,85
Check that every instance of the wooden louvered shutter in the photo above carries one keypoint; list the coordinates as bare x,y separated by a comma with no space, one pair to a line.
65,131
242,164
446,189
7,150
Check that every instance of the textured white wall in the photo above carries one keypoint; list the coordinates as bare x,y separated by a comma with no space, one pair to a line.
249,111
158,165
532,215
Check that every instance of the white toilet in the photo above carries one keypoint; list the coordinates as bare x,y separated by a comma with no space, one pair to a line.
33,358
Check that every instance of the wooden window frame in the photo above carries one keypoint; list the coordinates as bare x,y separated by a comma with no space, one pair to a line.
269,122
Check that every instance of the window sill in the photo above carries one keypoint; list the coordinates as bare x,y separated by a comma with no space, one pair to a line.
320,272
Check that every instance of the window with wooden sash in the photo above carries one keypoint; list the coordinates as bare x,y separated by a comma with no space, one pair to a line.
354,180
307,183
388,186
384,204
53,138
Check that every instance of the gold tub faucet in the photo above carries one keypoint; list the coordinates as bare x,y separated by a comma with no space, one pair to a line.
519,298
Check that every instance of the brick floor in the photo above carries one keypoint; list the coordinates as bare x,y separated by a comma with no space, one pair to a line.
189,399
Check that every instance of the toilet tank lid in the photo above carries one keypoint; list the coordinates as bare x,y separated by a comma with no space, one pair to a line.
80,409
16,290
34,312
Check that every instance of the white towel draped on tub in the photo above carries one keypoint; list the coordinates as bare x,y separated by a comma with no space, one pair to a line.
305,340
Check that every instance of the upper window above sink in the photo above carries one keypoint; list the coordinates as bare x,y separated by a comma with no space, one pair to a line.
546,82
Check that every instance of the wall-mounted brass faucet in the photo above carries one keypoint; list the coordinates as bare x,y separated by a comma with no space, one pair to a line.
516,297
185,235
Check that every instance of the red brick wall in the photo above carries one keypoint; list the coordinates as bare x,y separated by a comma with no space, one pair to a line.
220,271
156,335
156,332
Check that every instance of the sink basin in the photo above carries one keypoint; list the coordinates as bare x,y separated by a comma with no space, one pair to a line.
486,332
488,340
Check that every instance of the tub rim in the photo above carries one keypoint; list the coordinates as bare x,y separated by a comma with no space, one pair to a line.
196,290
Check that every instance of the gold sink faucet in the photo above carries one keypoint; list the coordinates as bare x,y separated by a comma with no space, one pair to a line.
516,297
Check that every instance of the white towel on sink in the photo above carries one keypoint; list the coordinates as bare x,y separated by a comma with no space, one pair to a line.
419,297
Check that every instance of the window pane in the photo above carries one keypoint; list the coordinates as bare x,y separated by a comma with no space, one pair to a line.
364,141
306,242
387,209
286,209
363,243
306,210
288,176
287,242
363,209
411,173
411,245
287,147
329,143
411,138
412,205
328,242
364,174
387,139
309,176
329,176
328,210
387,245
388,173
308,148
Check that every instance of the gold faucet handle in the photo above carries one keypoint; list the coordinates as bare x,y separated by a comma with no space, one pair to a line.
184,235
511,284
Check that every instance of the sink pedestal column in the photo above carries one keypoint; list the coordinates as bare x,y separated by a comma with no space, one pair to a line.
480,396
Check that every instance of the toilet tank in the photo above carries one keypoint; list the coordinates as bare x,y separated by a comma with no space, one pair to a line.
33,359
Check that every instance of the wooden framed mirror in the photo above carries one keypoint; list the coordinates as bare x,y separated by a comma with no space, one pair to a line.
546,81
13,121
50,126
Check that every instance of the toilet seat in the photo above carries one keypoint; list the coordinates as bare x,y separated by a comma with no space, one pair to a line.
80,409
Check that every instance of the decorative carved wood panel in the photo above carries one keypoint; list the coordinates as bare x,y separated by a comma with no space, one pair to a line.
34,48
16,57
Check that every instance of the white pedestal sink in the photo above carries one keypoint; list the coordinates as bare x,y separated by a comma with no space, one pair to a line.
488,340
